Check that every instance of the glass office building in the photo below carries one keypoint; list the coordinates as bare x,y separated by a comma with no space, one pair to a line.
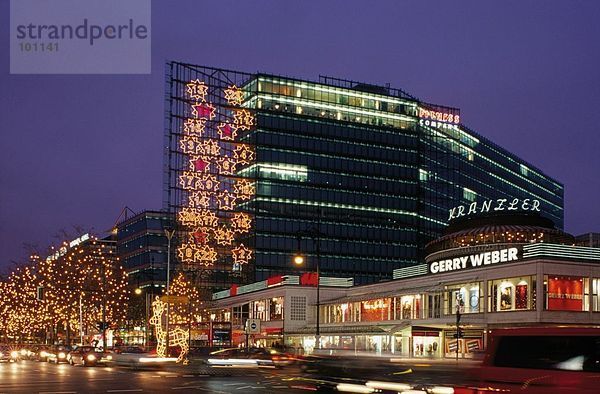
356,176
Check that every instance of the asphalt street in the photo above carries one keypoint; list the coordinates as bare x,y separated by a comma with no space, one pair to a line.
36,377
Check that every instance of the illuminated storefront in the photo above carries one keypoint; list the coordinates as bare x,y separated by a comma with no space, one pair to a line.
500,284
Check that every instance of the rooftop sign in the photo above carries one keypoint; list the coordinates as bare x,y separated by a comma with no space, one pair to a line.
497,205
473,261
439,116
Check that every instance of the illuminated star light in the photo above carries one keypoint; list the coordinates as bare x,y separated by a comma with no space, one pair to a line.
205,111
242,222
226,201
243,153
199,164
227,131
224,236
190,145
241,254
195,127
244,189
234,95
243,119
189,180
210,147
197,217
187,252
200,236
206,255
199,199
227,165
197,90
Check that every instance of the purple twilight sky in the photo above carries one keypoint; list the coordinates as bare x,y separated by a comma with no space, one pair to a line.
526,74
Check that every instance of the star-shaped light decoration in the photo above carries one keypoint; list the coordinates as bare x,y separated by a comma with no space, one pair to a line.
243,119
195,127
227,165
206,256
241,254
224,235
189,180
226,201
197,90
200,236
199,164
199,199
234,95
188,216
208,219
244,189
207,182
204,111
243,153
190,145
210,147
227,131
187,252
241,222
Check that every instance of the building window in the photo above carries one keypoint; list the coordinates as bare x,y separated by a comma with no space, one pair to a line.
409,307
596,295
297,308
511,294
259,310
376,310
566,293
276,308
469,194
465,297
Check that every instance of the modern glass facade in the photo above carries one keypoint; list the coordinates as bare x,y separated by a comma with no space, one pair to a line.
372,170
142,249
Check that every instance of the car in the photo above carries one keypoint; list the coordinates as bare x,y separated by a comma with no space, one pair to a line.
40,353
137,357
88,356
58,354
541,360
251,357
9,354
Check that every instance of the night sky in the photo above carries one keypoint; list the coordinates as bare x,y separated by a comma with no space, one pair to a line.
76,149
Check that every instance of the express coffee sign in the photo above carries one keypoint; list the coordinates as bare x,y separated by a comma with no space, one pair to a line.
479,260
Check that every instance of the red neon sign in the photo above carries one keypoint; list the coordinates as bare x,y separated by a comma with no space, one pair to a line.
439,116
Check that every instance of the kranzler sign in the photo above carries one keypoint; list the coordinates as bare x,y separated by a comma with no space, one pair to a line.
497,205
479,260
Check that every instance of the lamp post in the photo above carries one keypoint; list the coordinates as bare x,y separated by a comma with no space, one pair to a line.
169,234
315,234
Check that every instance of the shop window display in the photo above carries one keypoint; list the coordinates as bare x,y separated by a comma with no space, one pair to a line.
376,310
596,295
409,307
276,308
466,297
511,294
566,293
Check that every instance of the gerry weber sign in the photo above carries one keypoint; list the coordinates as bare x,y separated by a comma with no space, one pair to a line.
474,260
500,204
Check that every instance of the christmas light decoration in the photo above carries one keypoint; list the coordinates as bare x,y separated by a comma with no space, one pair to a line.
227,131
200,164
194,127
210,147
226,201
224,236
241,255
243,153
199,199
244,189
195,217
197,90
242,222
190,145
200,236
227,165
243,119
177,336
234,95
203,111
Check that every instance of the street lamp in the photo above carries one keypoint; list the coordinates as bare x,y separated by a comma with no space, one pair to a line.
138,291
315,234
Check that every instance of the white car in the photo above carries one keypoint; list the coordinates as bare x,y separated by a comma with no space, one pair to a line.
137,357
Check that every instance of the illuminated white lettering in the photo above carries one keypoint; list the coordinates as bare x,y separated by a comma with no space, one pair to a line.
486,206
513,205
525,204
500,206
536,205
472,208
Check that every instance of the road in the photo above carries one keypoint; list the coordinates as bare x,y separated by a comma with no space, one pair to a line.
35,377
